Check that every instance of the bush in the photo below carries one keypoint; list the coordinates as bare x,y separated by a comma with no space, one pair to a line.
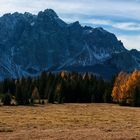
6,100
43,102
123,103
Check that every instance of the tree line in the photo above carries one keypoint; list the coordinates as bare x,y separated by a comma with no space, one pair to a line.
66,87
62,87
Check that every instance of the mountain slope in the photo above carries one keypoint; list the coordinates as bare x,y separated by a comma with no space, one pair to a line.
30,44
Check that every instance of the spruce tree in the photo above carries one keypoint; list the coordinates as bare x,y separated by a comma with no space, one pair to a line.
19,96
42,84
136,97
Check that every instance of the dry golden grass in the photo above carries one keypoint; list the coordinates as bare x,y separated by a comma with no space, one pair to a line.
70,122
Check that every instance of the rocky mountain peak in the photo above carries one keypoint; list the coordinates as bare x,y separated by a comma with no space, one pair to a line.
30,44
49,13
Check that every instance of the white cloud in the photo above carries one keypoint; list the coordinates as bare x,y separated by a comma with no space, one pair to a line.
117,7
99,21
127,26
130,41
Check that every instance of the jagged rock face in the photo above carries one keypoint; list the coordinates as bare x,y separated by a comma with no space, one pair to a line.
123,61
30,44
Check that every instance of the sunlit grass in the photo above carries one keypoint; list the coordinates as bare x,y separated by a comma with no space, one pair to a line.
70,121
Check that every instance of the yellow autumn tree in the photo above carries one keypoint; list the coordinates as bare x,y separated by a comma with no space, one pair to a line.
125,86
35,95
120,87
132,82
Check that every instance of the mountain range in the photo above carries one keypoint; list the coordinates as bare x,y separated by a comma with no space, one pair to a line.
30,44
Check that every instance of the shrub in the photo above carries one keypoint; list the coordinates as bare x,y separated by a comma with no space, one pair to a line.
6,100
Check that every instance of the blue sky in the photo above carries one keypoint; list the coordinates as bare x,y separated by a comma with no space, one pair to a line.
121,17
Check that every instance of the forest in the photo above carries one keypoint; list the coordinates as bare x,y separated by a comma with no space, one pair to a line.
66,87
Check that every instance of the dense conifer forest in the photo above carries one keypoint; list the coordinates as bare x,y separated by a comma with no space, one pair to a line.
60,87
65,87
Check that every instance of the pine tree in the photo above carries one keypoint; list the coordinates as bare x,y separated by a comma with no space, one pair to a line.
51,94
42,84
25,91
5,86
19,96
136,97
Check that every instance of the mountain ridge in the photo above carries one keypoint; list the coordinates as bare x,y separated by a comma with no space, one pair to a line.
30,44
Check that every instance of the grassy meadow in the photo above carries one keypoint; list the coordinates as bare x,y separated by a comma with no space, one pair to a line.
69,122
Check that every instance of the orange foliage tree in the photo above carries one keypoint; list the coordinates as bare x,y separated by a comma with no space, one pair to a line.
125,86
